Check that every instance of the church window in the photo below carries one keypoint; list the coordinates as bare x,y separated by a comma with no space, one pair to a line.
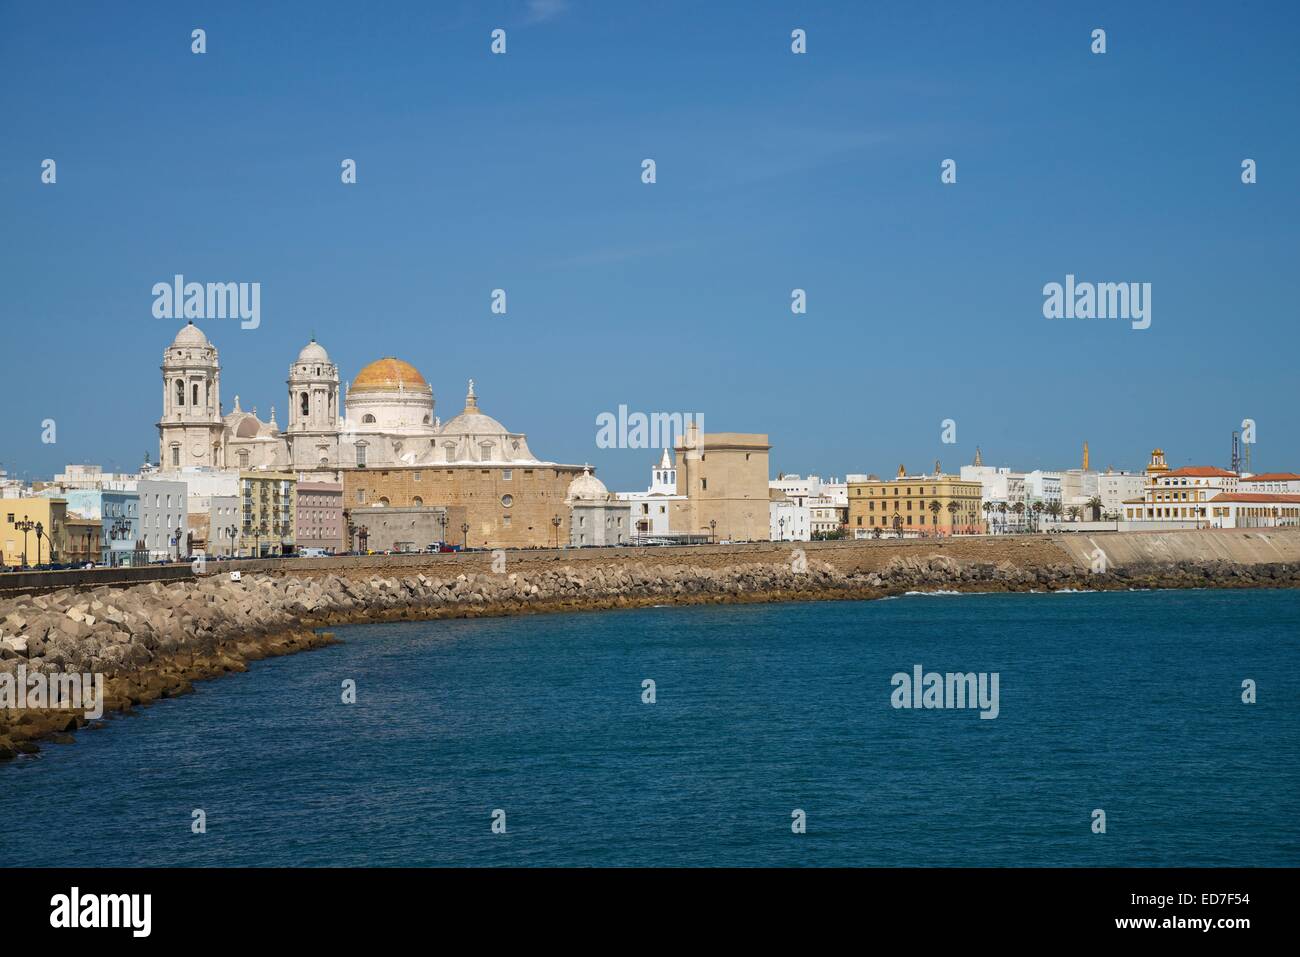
368,419
243,460
417,502
180,392
195,400
305,403
507,500
361,454
176,455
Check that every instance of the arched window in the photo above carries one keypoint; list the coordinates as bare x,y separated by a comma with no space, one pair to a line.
368,419
304,401
180,391
196,395
417,502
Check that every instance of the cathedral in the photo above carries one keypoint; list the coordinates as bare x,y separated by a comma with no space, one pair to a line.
384,418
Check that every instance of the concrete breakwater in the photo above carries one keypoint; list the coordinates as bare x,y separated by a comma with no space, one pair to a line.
154,640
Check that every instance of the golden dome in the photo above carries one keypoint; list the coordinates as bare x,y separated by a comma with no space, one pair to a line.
387,375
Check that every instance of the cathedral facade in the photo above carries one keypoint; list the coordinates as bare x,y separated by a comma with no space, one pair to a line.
383,418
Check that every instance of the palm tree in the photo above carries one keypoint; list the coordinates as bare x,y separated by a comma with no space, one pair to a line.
1094,503
952,516
1075,512
1035,510
1002,515
1054,510
935,508
1019,509
988,510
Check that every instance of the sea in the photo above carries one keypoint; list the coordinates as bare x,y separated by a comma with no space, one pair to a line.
1143,728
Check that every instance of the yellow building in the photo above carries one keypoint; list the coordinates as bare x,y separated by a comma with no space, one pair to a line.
19,518
915,505
268,504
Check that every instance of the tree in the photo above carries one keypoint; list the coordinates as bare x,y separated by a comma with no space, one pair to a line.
1094,504
1054,510
935,509
952,515
1075,512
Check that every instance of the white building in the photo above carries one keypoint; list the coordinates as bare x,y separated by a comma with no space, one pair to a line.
1281,483
1116,488
595,516
650,510
1003,501
1178,498
788,520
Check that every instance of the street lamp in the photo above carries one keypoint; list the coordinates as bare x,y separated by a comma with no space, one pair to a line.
25,526
556,522
442,524
40,530
713,530
464,531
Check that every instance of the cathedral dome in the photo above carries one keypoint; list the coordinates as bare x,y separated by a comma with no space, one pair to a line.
314,352
388,375
190,337
473,422
586,487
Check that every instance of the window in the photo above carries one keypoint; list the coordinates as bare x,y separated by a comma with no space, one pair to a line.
368,419
176,455
180,392
507,500
507,475
417,502
303,403
361,454
195,400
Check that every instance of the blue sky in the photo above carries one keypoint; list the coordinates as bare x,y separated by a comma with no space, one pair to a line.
775,171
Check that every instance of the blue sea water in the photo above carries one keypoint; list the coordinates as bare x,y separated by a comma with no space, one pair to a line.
1127,702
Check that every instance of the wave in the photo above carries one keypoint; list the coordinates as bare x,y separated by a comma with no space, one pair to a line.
937,592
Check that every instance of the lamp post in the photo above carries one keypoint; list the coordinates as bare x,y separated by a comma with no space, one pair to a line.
40,530
363,538
556,522
442,524
464,531
25,526
713,531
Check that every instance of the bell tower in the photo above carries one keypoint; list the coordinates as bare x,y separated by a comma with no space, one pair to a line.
313,430
190,430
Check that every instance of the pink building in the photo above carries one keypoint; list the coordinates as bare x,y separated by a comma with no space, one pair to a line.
320,516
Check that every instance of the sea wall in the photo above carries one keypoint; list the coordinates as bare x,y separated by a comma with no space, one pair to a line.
154,640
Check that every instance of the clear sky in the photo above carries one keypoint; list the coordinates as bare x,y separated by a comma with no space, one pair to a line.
775,171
